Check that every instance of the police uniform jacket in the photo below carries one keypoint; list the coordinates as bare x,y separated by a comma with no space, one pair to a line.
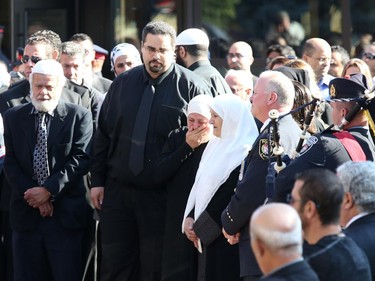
321,151
251,191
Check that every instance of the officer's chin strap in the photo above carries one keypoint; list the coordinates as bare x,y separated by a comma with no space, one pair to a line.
361,103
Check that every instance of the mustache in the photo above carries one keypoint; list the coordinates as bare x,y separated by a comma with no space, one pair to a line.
156,61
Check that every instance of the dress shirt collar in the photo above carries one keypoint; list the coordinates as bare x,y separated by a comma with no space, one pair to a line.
34,111
357,217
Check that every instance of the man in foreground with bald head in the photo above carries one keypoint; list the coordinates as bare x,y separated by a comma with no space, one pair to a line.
276,239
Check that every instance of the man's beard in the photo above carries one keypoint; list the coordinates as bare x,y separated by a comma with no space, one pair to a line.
155,69
46,105
180,61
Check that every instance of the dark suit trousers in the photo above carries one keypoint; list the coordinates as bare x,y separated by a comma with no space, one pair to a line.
132,226
49,250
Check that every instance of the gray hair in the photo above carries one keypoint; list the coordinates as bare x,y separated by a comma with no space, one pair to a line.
281,85
72,48
280,240
242,75
358,178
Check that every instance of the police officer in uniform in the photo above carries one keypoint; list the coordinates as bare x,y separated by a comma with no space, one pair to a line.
273,91
331,148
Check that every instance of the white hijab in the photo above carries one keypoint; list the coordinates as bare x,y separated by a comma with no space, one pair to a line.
222,154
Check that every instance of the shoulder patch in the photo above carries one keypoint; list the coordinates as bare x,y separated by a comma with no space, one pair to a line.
264,149
309,143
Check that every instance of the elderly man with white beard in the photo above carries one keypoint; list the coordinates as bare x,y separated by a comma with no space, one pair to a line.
47,155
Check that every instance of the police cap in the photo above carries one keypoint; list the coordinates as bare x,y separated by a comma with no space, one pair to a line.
348,88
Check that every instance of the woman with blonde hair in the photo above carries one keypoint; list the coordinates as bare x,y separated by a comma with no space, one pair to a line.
355,66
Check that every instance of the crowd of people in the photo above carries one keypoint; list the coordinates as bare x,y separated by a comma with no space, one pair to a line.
175,172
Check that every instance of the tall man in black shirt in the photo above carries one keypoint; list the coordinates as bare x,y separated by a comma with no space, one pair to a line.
132,205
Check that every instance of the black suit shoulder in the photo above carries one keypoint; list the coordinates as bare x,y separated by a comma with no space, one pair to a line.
15,96
362,232
101,84
299,271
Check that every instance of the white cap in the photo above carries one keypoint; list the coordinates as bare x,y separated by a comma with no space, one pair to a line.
124,49
192,36
48,67
200,104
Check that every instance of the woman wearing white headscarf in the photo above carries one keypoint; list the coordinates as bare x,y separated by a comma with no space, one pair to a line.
178,164
124,56
234,133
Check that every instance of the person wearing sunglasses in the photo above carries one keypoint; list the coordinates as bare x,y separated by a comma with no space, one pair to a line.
41,45
369,57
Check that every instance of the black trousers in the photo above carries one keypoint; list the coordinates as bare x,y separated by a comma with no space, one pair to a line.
49,252
132,225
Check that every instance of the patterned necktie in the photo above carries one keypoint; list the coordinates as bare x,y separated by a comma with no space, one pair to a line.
40,162
137,147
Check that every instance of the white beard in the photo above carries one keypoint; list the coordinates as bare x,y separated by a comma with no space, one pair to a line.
46,105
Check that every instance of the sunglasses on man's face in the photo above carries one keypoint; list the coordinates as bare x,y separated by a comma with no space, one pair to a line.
33,59
369,56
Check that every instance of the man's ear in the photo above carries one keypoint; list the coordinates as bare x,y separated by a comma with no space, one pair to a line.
182,51
259,247
310,209
348,201
272,98
55,55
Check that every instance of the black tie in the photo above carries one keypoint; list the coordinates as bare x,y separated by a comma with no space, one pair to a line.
40,162
138,141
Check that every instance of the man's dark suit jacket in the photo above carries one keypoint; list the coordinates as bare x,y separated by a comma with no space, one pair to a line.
17,95
70,132
20,94
101,84
362,231
299,271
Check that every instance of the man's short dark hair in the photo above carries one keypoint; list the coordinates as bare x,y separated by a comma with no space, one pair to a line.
324,188
197,50
79,37
159,27
48,38
72,48
284,50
